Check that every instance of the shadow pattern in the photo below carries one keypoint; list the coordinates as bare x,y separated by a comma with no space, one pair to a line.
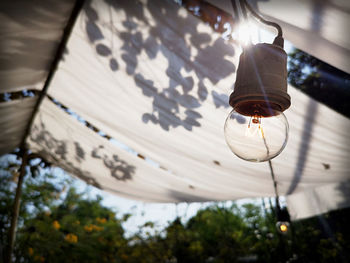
177,104
61,152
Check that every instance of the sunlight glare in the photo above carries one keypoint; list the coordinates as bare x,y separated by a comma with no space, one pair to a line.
247,33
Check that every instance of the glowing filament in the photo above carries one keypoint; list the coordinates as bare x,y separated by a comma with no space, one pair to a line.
254,127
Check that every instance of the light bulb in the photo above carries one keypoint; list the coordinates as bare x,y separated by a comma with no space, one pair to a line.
258,135
282,227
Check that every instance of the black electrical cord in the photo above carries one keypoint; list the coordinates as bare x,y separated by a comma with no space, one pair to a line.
235,9
262,20
243,9
275,187
273,177
279,41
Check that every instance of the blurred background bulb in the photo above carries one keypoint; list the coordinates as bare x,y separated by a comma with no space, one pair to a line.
254,137
282,227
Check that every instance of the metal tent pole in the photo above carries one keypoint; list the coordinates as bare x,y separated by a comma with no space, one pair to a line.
60,50
59,53
15,211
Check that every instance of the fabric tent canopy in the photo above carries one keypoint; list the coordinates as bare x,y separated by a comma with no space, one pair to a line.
318,27
157,80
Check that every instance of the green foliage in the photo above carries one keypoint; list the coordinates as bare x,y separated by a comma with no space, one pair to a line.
58,224
83,227
37,195
221,232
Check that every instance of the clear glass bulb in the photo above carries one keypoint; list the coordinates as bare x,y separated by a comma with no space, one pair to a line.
256,138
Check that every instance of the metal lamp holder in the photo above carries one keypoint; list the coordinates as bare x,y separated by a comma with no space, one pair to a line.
261,82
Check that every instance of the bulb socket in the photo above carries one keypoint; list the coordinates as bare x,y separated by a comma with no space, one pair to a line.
261,82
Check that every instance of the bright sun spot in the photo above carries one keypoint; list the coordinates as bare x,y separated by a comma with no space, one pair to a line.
246,33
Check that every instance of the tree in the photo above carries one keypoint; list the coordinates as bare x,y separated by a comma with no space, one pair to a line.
56,223
59,224
217,234
35,197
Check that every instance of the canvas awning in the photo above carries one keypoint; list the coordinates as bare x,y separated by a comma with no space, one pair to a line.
156,80
317,27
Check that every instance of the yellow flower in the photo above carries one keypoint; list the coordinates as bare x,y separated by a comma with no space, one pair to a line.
88,228
97,228
91,227
56,225
30,251
101,220
71,238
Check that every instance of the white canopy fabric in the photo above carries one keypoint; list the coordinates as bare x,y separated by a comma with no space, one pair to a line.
67,143
318,200
318,27
30,32
157,80
13,121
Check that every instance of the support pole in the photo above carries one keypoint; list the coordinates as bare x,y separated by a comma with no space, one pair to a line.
59,53
60,50
15,211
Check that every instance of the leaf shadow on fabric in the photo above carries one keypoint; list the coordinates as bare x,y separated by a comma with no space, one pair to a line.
60,152
178,103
